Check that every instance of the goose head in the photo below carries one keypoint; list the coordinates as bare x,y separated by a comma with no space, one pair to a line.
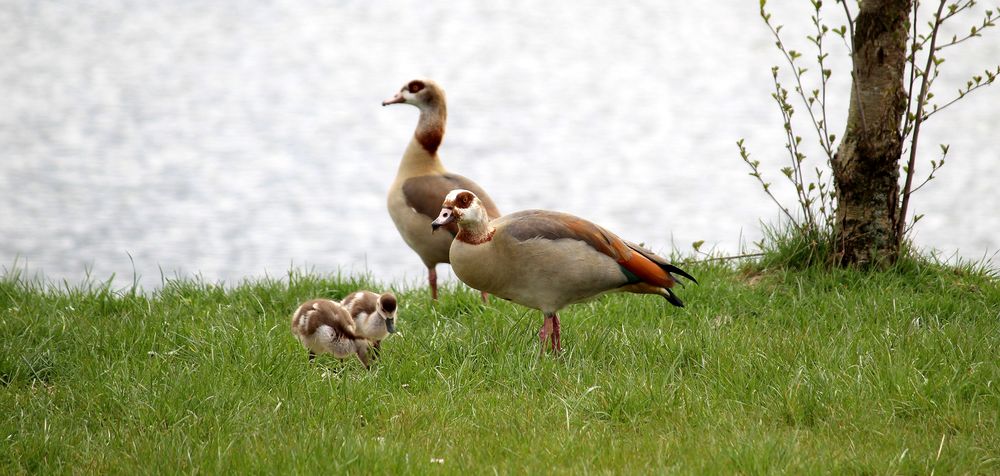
422,93
386,309
461,206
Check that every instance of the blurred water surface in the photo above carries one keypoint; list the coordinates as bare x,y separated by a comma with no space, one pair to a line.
231,139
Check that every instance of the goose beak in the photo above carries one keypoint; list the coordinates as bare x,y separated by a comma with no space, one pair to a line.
447,216
390,325
398,98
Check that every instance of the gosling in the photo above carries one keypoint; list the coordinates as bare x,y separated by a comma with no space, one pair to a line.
325,327
374,315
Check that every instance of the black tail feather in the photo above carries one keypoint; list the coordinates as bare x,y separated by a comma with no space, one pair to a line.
661,262
673,269
673,299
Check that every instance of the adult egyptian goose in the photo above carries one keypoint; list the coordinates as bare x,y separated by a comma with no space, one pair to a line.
422,182
547,260
325,327
374,315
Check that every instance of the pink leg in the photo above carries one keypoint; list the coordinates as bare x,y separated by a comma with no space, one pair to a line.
432,278
543,334
486,297
556,341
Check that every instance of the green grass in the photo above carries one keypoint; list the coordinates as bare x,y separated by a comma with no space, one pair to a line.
804,371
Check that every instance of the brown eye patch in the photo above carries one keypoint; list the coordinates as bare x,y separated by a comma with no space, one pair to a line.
388,302
415,86
464,200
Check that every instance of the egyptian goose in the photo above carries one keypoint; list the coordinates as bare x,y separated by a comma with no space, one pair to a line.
374,315
547,260
325,327
422,182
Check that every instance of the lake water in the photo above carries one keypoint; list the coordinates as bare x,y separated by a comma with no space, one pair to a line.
236,139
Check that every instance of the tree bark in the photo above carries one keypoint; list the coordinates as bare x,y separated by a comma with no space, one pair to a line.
866,166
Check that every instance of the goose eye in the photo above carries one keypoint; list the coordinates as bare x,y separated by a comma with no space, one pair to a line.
415,87
463,200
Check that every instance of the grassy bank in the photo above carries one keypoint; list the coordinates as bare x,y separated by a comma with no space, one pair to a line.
814,370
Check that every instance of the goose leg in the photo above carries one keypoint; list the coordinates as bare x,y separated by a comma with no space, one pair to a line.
362,349
544,332
556,341
312,356
432,278
486,297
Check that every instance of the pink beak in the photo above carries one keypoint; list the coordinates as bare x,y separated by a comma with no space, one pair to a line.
447,216
398,98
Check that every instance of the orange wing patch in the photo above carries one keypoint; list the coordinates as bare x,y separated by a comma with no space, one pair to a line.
641,265
647,270
608,243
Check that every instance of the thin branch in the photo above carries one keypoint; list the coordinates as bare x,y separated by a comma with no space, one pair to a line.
781,96
798,81
958,9
920,41
723,258
974,31
960,96
913,75
921,98
918,187
820,33
756,174
957,41
935,166
854,66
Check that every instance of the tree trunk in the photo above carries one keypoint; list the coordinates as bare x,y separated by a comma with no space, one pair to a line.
865,169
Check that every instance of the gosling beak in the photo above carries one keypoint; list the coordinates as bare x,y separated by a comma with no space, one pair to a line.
447,216
398,98
390,325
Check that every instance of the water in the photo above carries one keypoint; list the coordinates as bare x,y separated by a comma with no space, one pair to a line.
237,139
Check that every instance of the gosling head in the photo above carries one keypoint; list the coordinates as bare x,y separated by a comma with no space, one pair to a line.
386,309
